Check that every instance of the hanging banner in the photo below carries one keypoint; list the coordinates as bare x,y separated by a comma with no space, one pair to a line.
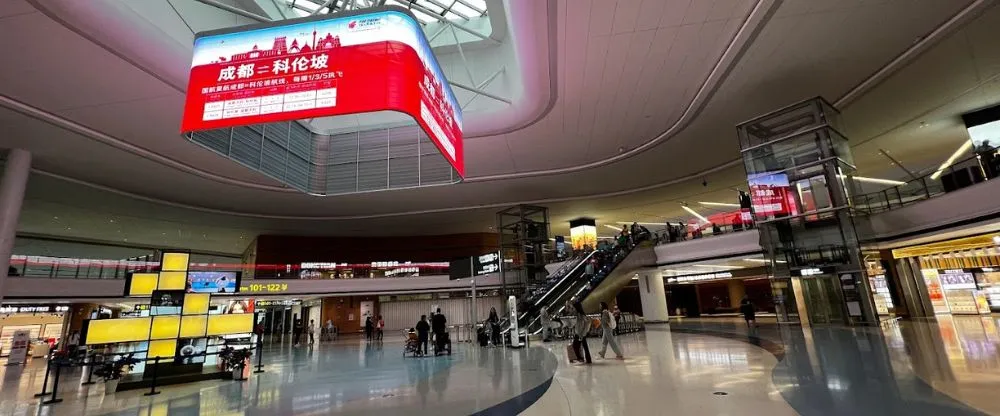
322,66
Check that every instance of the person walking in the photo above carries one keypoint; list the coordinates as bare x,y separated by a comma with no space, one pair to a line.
369,328
580,332
312,331
749,312
423,331
608,326
494,321
379,326
296,332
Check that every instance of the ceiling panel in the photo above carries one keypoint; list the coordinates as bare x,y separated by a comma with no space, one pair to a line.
617,87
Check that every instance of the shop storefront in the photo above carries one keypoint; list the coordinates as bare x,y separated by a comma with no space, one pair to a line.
880,290
44,324
718,292
960,276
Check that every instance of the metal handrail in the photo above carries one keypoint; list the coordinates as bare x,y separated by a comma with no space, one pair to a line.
884,197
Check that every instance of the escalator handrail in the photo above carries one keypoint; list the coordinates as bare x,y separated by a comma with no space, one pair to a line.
541,301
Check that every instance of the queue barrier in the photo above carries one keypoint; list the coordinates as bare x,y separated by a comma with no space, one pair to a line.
61,362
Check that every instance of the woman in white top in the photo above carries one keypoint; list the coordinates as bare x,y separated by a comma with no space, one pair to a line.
608,333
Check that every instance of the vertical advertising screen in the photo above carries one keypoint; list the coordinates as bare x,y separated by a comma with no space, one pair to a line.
770,195
322,66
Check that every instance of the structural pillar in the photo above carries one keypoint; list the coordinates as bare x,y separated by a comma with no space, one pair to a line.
653,297
736,292
15,180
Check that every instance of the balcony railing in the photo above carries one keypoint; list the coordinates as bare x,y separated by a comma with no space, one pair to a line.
958,175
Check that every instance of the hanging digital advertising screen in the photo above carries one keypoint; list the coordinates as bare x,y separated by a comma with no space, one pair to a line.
323,66
770,195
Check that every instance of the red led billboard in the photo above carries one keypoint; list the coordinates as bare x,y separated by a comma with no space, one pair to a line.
322,67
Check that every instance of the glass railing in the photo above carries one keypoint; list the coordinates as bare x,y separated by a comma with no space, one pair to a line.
962,174
696,229
71,268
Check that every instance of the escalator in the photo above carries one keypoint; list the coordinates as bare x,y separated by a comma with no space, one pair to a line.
614,269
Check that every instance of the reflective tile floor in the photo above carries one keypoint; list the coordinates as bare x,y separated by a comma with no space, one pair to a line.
950,366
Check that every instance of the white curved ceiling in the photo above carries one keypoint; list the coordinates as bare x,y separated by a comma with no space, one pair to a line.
647,93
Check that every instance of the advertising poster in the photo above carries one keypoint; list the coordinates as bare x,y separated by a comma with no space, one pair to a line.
191,351
19,347
212,282
934,290
322,67
367,310
770,195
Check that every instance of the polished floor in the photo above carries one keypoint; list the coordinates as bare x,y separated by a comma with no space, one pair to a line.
950,366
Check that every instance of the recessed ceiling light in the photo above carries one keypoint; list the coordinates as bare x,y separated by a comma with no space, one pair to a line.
621,149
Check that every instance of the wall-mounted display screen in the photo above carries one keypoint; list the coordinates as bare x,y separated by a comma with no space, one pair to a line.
770,196
320,67
213,282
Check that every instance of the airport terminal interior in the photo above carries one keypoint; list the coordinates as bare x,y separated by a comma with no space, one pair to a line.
499,207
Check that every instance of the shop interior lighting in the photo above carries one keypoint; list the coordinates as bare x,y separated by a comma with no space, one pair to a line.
875,180
720,204
954,156
693,212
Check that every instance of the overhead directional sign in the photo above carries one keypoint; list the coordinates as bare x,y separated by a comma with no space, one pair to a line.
474,266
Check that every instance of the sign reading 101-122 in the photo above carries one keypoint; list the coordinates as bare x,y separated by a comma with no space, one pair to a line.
321,67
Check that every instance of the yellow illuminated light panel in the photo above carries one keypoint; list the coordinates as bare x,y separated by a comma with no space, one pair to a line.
196,304
239,323
111,331
193,326
165,348
165,327
172,281
162,331
174,262
142,284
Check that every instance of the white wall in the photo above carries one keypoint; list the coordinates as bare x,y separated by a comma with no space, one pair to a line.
405,314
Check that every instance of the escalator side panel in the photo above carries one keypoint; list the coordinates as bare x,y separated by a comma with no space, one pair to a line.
643,256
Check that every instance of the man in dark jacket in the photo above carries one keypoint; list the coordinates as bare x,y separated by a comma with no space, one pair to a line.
422,331
438,322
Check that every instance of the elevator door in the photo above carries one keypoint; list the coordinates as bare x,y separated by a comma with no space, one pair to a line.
822,300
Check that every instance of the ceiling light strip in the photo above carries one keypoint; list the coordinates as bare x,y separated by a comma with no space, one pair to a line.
695,213
947,163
